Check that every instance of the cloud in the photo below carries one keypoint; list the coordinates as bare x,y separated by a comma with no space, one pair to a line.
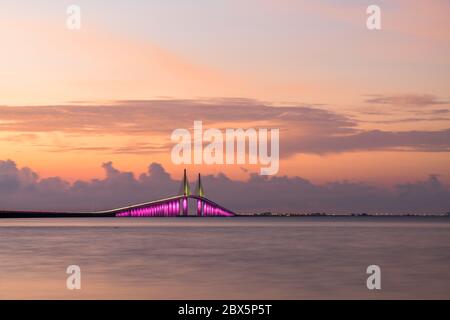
440,111
411,120
304,128
407,108
413,100
162,116
430,141
23,189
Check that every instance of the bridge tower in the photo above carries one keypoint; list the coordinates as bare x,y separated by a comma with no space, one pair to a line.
200,192
185,191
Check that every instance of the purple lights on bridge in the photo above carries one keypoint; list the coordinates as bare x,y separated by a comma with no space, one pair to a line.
185,206
175,208
205,209
169,209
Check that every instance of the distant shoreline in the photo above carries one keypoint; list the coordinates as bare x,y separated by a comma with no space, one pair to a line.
347,215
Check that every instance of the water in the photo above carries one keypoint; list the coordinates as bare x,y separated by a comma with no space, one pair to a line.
225,258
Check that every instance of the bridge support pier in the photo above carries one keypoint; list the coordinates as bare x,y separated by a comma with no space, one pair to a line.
199,208
185,209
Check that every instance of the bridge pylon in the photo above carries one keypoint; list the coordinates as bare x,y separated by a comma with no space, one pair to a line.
185,191
200,192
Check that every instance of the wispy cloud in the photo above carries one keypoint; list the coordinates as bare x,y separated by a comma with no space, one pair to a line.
304,128
407,100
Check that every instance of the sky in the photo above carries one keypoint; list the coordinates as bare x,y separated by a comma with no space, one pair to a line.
356,108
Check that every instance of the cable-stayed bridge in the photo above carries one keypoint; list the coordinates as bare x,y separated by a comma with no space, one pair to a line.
175,206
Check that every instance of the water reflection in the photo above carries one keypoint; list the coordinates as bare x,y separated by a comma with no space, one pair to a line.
220,258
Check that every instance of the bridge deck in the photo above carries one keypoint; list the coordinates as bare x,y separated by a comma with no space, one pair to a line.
99,214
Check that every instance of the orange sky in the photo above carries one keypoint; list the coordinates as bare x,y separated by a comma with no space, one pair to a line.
300,54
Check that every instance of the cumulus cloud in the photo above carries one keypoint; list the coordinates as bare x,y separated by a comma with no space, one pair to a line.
23,189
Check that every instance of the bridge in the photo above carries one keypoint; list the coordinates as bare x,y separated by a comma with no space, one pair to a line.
176,206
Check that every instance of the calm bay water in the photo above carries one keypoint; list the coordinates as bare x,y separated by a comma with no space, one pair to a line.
225,258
